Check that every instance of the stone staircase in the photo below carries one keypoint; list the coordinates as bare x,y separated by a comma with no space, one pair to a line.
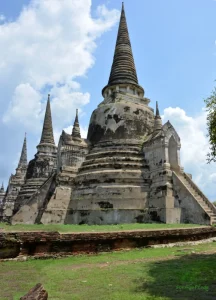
35,204
203,201
31,186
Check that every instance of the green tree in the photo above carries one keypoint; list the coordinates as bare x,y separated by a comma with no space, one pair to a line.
214,202
211,125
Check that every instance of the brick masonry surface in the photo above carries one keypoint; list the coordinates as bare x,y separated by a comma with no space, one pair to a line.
43,243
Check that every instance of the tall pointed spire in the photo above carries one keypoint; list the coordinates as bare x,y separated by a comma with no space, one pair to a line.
23,156
123,69
157,110
158,121
47,133
76,128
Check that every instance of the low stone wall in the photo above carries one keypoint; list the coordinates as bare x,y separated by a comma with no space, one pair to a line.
14,244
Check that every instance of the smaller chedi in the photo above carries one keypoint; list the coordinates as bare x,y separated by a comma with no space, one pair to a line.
127,170
16,181
2,196
42,168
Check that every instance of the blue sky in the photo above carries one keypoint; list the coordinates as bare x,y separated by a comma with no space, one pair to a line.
174,48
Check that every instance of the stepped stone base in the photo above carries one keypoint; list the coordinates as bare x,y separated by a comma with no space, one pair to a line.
166,215
120,216
8,209
109,217
112,185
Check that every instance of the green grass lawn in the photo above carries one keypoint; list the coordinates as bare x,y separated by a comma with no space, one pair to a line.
93,228
147,274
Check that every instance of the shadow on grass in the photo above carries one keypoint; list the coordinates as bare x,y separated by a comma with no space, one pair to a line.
184,277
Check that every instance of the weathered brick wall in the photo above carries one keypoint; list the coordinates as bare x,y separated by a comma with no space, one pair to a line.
13,244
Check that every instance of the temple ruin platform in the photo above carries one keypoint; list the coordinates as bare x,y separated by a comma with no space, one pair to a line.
50,244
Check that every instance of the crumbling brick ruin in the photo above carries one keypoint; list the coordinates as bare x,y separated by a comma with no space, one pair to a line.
127,170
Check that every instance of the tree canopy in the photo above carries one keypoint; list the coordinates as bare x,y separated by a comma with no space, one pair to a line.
211,125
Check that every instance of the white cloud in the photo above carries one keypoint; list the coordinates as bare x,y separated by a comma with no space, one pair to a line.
65,102
212,177
192,133
45,50
2,18
194,147
25,107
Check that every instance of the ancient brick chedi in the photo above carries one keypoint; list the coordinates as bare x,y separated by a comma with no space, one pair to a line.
2,196
127,170
16,181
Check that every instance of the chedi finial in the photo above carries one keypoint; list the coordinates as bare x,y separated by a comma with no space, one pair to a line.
23,157
157,110
76,127
47,133
123,70
157,121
